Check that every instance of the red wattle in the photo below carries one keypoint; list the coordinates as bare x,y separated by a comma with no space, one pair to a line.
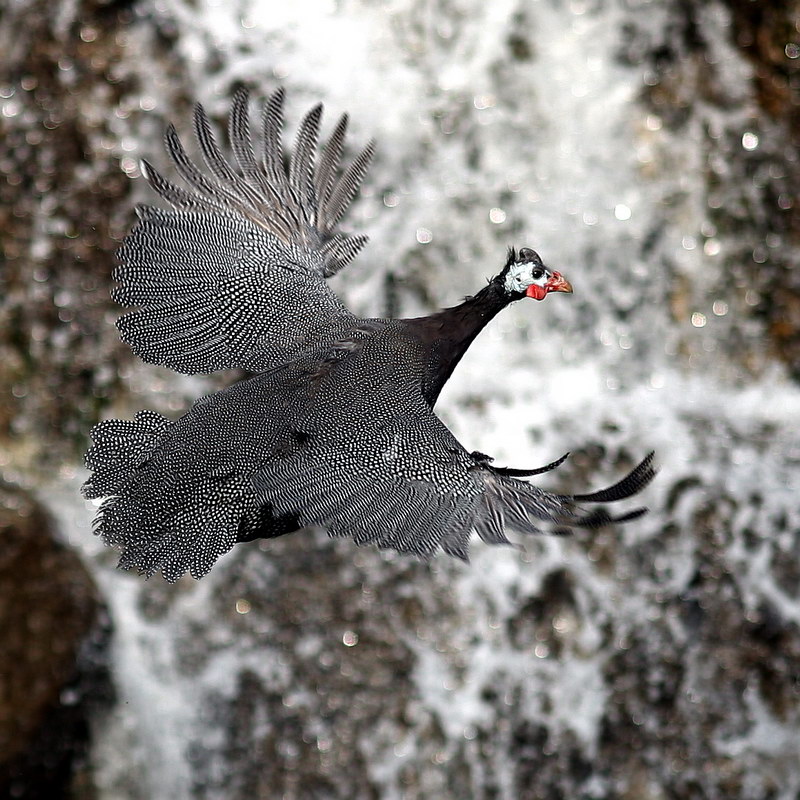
536,292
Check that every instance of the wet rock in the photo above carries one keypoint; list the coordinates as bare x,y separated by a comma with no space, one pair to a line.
750,166
53,631
65,202
657,661
334,665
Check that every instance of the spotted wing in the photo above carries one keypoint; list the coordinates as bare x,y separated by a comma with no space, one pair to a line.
407,484
272,454
234,275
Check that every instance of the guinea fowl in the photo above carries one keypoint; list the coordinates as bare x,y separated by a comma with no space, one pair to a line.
336,429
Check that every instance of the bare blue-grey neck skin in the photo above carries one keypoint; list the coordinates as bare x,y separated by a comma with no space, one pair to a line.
448,334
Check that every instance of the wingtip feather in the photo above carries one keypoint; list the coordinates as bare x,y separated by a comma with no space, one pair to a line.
636,480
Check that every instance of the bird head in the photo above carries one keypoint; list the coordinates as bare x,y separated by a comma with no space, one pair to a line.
524,275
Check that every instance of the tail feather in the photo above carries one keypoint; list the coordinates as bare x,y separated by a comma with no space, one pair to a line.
120,448
168,517
190,539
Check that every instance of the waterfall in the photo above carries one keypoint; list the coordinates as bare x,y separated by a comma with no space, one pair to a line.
657,659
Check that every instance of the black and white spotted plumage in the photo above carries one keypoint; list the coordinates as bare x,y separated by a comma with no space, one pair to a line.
234,275
337,430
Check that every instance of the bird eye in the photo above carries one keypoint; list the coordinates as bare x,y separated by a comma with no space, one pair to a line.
537,273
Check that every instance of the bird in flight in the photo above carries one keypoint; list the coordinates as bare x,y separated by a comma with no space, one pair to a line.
336,429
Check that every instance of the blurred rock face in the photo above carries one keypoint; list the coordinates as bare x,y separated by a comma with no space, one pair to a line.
51,640
60,184
751,137
659,661
69,81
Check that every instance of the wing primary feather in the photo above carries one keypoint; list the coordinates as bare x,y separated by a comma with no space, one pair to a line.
300,203
242,146
632,483
457,547
242,141
340,251
301,164
510,472
490,522
328,165
600,517
192,175
274,168
218,166
174,195
456,535
509,502
272,123
347,186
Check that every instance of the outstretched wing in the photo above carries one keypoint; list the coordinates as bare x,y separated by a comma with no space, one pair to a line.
234,275
388,472
416,489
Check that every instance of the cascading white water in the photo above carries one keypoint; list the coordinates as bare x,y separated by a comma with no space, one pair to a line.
497,124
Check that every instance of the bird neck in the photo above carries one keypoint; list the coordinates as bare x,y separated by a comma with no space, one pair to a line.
449,333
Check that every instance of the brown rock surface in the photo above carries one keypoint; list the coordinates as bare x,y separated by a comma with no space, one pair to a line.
51,621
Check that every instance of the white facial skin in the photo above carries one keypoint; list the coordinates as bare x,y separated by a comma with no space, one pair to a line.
522,274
